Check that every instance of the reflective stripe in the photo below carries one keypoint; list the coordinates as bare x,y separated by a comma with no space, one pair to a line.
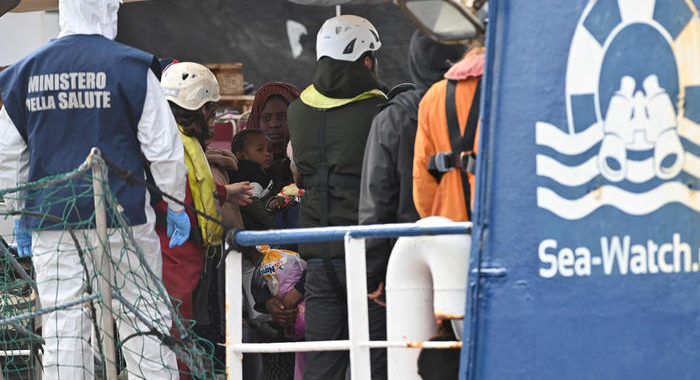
312,98
203,189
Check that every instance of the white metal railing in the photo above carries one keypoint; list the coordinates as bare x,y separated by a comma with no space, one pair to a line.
358,343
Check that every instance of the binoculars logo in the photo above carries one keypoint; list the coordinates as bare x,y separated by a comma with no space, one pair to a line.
633,109
640,122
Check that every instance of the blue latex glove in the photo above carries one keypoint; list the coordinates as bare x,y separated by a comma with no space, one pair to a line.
178,227
23,238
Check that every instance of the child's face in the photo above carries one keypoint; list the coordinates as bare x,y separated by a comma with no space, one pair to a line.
257,149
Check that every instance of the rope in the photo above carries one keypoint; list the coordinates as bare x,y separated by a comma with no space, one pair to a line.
129,177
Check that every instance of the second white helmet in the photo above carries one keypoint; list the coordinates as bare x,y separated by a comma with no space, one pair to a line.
346,38
190,85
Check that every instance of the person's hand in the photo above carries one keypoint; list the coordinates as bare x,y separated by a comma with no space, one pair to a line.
238,193
275,203
223,158
292,298
23,238
283,315
178,227
376,295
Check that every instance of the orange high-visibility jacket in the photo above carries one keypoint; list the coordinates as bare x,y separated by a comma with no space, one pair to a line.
445,198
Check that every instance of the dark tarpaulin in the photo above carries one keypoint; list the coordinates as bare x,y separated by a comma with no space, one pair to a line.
337,2
7,5
255,32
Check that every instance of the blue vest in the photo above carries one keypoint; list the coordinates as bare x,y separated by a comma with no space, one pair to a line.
75,93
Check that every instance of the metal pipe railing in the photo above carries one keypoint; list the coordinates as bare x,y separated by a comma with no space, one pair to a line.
358,343
337,233
338,345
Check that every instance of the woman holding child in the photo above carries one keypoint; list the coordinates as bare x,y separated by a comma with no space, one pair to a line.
269,114
264,161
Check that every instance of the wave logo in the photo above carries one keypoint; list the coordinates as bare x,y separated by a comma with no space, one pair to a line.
633,110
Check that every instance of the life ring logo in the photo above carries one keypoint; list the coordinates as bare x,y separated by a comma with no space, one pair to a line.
633,109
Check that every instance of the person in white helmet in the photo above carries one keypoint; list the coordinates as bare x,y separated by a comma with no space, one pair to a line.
329,125
192,92
79,91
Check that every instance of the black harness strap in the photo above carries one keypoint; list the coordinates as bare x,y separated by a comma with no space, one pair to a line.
321,175
458,142
467,141
321,178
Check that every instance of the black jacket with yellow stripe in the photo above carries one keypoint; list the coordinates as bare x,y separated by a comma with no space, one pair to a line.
330,123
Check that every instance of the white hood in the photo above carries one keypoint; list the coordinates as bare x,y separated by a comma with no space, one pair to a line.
88,17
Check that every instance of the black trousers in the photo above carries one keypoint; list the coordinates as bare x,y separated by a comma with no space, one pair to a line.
327,319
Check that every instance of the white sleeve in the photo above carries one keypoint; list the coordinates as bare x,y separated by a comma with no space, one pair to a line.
14,158
161,144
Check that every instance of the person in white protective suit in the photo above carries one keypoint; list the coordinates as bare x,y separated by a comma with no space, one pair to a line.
79,91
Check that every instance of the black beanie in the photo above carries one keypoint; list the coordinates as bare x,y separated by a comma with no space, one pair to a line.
429,60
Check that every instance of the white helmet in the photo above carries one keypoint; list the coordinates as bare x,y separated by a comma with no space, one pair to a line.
346,38
189,85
